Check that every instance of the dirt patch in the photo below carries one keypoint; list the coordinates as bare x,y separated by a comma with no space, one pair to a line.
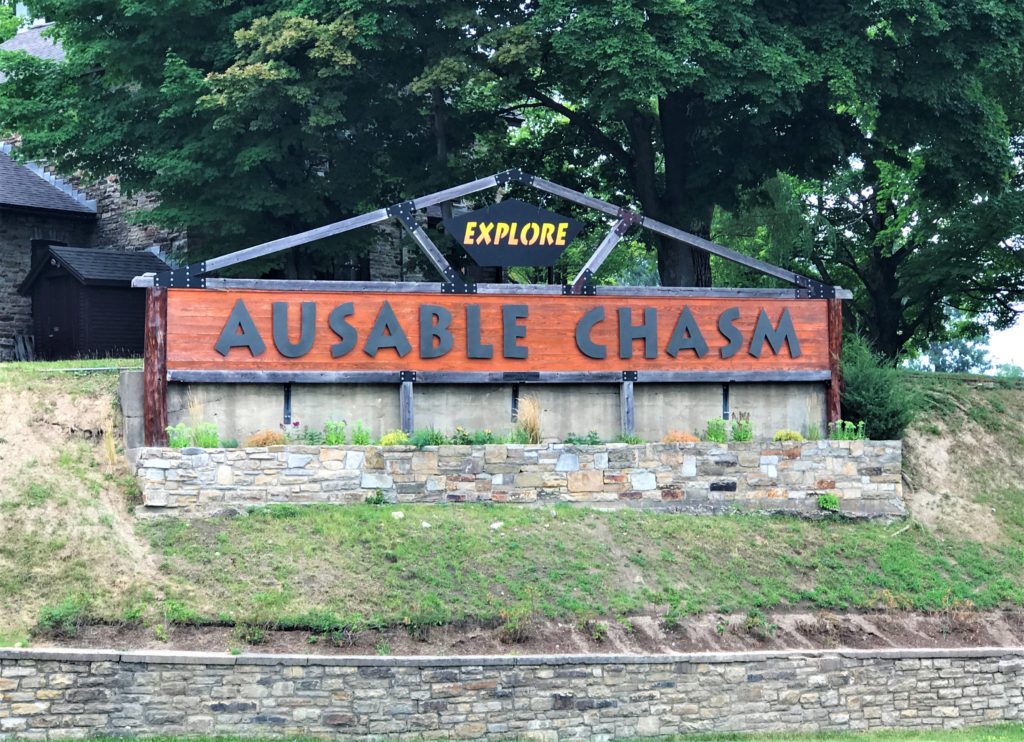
638,635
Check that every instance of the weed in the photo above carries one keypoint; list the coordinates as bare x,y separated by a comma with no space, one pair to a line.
109,444
757,625
312,437
742,427
828,502
229,443
63,620
590,439
715,431
360,434
377,498
813,432
517,622
394,438
179,436
335,433
382,647
845,430
250,633
483,437
596,630
160,632
632,439
787,435
428,437
35,494
721,627
528,419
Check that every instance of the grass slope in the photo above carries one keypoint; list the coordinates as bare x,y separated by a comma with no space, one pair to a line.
72,550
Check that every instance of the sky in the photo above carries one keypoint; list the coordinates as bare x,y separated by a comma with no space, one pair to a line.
1007,346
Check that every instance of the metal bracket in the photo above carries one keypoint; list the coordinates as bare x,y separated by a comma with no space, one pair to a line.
513,175
454,283
808,288
629,375
627,220
404,212
185,277
404,376
583,286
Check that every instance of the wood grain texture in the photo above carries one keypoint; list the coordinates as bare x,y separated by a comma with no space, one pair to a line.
833,410
196,318
154,373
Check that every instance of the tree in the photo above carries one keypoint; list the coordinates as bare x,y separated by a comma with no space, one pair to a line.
9,21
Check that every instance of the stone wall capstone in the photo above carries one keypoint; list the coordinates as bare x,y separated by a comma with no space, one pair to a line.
696,477
62,694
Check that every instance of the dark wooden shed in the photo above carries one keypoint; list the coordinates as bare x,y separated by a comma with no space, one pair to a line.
83,305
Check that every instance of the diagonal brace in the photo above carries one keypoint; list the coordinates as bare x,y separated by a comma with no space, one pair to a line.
625,222
453,281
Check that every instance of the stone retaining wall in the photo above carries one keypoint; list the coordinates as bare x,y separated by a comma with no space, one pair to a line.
60,694
699,477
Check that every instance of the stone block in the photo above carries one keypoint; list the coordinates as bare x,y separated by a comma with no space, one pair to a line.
585,480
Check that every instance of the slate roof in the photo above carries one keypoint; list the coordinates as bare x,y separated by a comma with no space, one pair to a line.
31,40
29,187
94,267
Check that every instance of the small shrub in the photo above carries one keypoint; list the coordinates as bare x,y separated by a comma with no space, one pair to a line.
179,436
813,432
757,625
517,435
632,439
312,437
250,633
429,437
528,419
597,630
229,443
715,432
204,435
787,435
875,391
382,647
483,437
590,439
334,433
360,434
742,427
845,430
264,438
461,437
63,620
394,438
828,502
678,436
377,498
516,624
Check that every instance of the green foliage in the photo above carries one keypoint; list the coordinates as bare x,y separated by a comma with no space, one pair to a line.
63,620
518,436
9,22
813,432
377,498
229,443
250,633
590,439
632,439
312,437
828,501
360,434
394,438
757,625
742,427
845,430
787,435
428,437
716,431
876,392
1009,371
202,435
335,433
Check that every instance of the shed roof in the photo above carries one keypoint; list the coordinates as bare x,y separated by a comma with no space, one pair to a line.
29,187
95,267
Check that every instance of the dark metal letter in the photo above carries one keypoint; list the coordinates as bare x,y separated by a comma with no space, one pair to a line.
434,323
583,340
345,332
387,333
687,336
249,337
474,348
730,332
774,335
307,329
511,330
646,330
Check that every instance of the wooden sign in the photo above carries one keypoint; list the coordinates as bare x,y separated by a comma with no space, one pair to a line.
513,232
263,330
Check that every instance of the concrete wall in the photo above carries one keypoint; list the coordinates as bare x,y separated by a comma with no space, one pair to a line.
62,694
694,477
239,410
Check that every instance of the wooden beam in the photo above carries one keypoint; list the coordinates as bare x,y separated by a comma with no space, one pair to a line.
492,377
833,405
628,415
405,407
615,234
154,373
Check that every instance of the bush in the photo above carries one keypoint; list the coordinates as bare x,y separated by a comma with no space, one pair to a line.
742,427
829,502
394,438
590,439
202,435
844,430
715,431
360,434
63,620
264,438
632,439
875,391
334,433
678,436
528,419
787,435
428,437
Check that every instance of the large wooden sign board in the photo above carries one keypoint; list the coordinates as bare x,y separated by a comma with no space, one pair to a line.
294,333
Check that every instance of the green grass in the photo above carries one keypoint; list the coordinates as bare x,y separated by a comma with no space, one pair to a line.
295,566
72,377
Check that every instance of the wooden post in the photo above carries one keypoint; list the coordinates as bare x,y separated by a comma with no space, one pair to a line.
154,374
628,417
405,407
835,352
